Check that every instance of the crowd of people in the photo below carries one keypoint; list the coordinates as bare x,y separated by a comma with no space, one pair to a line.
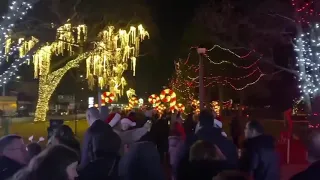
149,146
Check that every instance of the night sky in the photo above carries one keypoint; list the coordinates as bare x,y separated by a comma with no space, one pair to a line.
171,18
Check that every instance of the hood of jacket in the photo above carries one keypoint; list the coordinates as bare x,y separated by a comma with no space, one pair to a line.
101,141
142,162
213,135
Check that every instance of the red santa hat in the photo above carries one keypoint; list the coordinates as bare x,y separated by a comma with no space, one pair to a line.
128,121
113,119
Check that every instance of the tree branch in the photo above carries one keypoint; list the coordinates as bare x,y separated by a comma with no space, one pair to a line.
268,61
75,10
71,64
282,16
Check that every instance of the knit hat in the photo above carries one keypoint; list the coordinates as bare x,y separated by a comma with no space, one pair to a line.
128,121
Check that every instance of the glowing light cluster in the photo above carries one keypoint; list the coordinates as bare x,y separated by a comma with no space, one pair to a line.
169,96
307,47
131,93
216,107
65,42
133,102
16,11
196,106
48,81
154,100
180,107
107,97
161,108
305,10
116,52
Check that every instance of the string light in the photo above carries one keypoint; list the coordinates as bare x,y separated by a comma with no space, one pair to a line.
107,60
308,58
181,85
234,64
115,52
304,10
49,82
16,11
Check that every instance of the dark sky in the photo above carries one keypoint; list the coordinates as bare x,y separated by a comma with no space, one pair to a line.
171,17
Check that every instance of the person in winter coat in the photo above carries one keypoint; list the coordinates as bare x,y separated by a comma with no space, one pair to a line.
175,139
57,162
127,135
103,152
235,130
206,161
189,125
160,131
13,155
64,135
142,161
93,115
313,146
259,157
206,131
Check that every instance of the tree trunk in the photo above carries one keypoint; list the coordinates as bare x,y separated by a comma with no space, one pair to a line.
49,82
45,93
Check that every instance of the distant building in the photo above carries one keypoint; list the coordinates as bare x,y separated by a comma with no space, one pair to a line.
8,105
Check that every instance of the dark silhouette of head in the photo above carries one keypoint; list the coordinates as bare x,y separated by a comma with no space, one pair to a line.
33,149
253,129
50,164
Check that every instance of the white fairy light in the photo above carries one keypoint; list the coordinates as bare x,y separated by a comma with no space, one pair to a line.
307,47
16,11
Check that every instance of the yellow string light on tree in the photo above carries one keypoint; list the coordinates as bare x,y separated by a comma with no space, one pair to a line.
114,52
48,81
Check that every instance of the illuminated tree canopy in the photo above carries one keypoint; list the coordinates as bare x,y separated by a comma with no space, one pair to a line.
106,54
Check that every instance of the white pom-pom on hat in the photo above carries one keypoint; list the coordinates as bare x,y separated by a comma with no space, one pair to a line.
31,138
115,120
128,121
41,139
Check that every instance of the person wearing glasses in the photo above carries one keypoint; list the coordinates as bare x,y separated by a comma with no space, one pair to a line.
13,155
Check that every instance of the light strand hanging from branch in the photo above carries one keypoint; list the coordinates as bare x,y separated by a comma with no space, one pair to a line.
17,9
115,52
25,51
192,82
234,64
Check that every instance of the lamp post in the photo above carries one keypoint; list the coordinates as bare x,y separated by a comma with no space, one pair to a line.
201,52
